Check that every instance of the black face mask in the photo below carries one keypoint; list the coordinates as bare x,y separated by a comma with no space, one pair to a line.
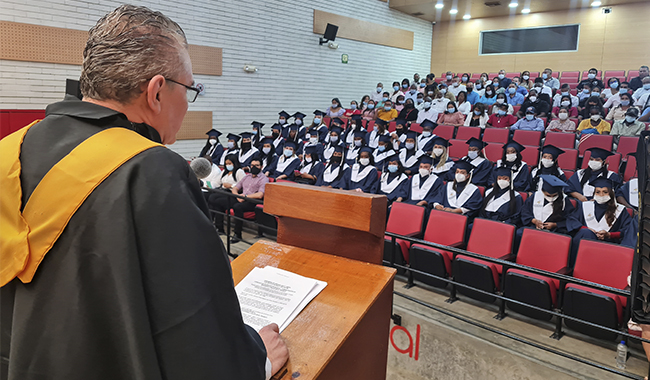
255,170
408,105
246,145
336,160
399,131
470,89
275,134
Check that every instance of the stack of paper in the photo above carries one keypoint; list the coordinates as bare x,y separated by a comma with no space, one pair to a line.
271,295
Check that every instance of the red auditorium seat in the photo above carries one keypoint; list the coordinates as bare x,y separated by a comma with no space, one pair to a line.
465,133
630,169
524,195
512,75
475,77
627,145
493,151
326,121
527,137
620,74
406,220
481,189
491,239
542,250
569,173
568,160
370,125
515,109
445,131
574,92
458,149
613,161
497,135
606,264
391,126
593,141
415,127
570,74
443,228
561,140
492,75
530,155
248,215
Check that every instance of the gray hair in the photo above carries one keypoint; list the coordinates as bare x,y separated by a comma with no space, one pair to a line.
202,167
125,49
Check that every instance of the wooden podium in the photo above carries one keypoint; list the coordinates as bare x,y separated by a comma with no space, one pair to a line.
343,333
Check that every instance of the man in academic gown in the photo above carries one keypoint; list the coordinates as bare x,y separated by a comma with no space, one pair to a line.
460,196
336,173
137,285
482,166
213,147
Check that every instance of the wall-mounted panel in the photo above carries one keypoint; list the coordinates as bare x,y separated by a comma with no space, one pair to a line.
195,124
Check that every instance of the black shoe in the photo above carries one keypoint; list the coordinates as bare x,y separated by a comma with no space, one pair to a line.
235,239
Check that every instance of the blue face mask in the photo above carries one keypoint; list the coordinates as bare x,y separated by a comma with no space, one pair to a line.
646,86
565,94
379,89
423,85
381,148
392,168
230,167
512,90
371,106
405,85
613,85
395,88
384,99
477,113
544,76
625,102
412,92
530,117
501,112
623,90
595,94
317,120
288,152
387,108
585,91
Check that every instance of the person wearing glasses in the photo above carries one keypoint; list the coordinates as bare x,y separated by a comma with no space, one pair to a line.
111,266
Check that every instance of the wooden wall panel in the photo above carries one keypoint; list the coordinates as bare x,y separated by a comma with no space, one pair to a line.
195,125
36,43
608,42
364,31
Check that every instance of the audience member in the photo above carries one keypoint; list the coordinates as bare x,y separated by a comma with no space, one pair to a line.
525,80
612,88
456,87
643,90
399,105
439,103
231,148
409,112
549,81
618,113
542,108
387,112
566,103
504,81
426,139
451,116
529,122
628,126
514,98
584,110
637,82
501,119
614,100
472,96
591,80
565,90
478,117
594,124
562,123
359,141
427,112
353,110
463,105
412,93
628,195
378,130
376,95
502,99
489,97
370,113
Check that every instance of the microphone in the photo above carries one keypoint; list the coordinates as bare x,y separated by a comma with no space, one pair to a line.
202,167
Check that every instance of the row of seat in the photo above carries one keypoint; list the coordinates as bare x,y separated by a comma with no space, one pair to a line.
564,76
598,262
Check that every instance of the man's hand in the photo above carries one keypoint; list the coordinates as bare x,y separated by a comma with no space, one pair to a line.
539,224
422,203
358,190
226,185
240,200
582,198
439,207
276,348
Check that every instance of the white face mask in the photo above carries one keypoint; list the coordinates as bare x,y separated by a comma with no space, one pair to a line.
357,142
364,161
526,77
424,172
511,157
426,133
281,121
308,159
313,140
500,101
563,115
460,177
438,152
595,165
551,199
231,144
547,163
472,154
409,146
212,142
266,150
601,199
595,117
503,183
532,98
334,139
298,122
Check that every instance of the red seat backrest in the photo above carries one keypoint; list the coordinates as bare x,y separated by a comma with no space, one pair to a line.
527,137
405,219
491,238
524,195
586,73
561,139
326,120
493,151
613,161
530,155
515,109
569,173
391,126
465,133
445,228
415,127
512,75
499,135
370,125
458,149
594,140
603,263
544,250
481,189
568,160
630,169
627,145
444,131
570,74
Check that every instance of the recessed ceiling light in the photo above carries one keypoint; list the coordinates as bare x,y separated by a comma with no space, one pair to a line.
513,4
596,4
525,10
453,11
467,17
440,5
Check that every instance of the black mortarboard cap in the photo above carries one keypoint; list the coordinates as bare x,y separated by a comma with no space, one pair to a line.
336,129
411,135
513,144
600,153
552,150
356,117
384,138
213,133
502,171
551,184
426,160
290,144
294,127
313,132
276,126
234,137
319,113
428,124
441,141
337,121
365,149
267,140
476,143
284,114
257,125
464,165
246,135
360,134
602,182
400,122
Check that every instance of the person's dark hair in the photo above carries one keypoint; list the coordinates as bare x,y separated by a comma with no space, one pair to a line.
394,158
479,107
588,172
372,159
593,69
407,81
504,106
452,104
563,108
558,214
490,87
365,98
399,97
538,80
387,94
235,163
628,96
464,93
431,76
625,83
337,101
502,95
610,212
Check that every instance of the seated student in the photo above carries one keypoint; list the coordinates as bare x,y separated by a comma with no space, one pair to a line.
251,186
476,157
529,122
283,121
512,160
451,116
247,152
213,147
394,183
629,126
565,103
501,119
311,168
603,219
257,133
230,175
628,194
318,125
276,137
565,90
355,125
383,152
425,140
547,166
334,139
477,118
460,196
548,209
298,121
231,148
313,141
267,156
409,155
581,183
441,163
399,136
502,203
501,99
286,164
562,124
215,174
591,80
363,174
542,108
379,129
353,151
336,172
293,137
423,187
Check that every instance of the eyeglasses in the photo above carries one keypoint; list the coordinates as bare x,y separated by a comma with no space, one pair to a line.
191,95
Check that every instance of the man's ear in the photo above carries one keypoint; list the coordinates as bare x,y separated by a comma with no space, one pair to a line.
154,87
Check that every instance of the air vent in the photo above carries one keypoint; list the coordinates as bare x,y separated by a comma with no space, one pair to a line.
492,3
417,14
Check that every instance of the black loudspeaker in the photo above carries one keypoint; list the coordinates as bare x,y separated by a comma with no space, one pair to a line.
72,88
330,33
641,269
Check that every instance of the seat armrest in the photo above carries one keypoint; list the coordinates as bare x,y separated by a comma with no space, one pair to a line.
508,257
627,288
565,271
457,245
413,234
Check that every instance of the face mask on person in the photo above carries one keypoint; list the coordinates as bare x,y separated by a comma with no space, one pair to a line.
601,199
423,85
308,159
230,167
511,157
501,112
547,163
212,142
281,121
472,154
646,86
395,88
470,89
335,159
526,77
255,170
488,92
353,106
412,91
358,143
231,144
334,139
613,85
364,161
478,86
379,89
246,145
443,91
448,77
298,121
451,110
375,128
430,93
424,172
317,120
404,85
500,101
630,119
595,93
544,76
371,106
595,117
460,177
551,199
438,152
420,101
392,168
381,148
266,150
313,140
501,76
565,103
623,90
512,90
503,183
387,108
335,105
465,79
409,146
275,134
532,98
625,103
477,113
385,99
530,117
426,133
563,115
591,76
456,84
595,165
585,91
565,94
401,101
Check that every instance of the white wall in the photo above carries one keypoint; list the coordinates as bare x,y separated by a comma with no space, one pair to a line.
295,72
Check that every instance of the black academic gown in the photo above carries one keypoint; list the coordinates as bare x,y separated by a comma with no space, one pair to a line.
498,208
138,285
214,152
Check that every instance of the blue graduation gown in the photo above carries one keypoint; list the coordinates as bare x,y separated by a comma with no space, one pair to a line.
216,153
467,197
423,189
567,223
393,186
482,171
443,172
499,207
425,144
351,155
630,192
227,153
521,177
319,149
537,171
246,158
268,161
332,176
410,159
315,169
587,190
285,166
329,148
364,178
381,158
